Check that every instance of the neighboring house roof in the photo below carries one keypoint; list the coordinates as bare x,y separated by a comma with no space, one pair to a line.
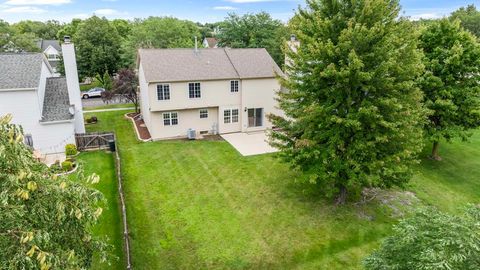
211,42
43,44
56,104
170,65
21,70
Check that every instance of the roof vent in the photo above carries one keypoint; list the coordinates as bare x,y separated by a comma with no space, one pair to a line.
66,39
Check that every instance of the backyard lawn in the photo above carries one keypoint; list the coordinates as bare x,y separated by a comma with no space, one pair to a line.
110,225
198,205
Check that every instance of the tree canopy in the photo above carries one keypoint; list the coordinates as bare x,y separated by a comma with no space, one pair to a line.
451,84
46,221
431,240
159,32
97,46
254,31
353,112
469,17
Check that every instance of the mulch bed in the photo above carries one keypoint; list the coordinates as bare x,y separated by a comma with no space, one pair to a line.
140,125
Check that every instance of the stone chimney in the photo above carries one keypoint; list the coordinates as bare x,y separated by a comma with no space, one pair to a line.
71,74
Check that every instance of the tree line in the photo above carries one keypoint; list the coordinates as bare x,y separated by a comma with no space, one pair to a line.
108,45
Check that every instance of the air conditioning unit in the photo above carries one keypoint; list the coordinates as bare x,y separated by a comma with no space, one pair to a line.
191,134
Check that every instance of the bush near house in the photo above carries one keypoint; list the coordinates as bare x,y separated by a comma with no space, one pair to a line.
71,149
67,166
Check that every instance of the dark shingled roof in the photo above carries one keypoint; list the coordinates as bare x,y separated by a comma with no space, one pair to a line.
56,104
20,70
173,65
44,43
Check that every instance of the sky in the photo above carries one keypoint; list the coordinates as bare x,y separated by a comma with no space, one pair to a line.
199,10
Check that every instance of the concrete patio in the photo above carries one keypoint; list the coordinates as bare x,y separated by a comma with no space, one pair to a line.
249,144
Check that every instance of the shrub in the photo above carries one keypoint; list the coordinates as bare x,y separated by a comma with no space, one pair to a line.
56,167
71,149
67,166
92,120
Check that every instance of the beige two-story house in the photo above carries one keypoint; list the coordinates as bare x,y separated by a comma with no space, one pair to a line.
209,91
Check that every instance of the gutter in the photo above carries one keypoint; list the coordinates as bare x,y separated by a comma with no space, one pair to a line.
17,89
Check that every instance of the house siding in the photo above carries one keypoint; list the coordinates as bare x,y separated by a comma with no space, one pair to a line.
47,139
186,119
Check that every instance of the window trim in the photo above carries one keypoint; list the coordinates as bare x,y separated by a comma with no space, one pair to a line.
205,113
163,91
232,86
170,118
230,116
199,90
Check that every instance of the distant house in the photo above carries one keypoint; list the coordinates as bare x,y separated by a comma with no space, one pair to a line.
210,42
209,91
53,52
48,108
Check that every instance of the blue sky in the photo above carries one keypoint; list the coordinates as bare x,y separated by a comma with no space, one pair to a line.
200,10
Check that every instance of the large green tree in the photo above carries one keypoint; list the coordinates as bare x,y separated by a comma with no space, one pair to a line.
97,45
254,31
469,17
431,240
159,32
451,82
42,30
45,221
353,114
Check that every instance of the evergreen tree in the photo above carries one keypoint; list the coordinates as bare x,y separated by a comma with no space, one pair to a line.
451,81
353,114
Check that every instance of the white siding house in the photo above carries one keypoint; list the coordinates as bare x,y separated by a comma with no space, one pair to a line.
44,105
212,91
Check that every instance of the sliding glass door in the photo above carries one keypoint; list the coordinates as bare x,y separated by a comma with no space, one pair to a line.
255,117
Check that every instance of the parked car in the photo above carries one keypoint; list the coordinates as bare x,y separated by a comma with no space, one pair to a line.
94,92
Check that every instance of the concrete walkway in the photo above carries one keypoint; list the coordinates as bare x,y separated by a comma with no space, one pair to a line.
249,144
110,110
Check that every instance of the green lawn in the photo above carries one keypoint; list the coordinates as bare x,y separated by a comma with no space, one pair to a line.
110,224
198,205
110,106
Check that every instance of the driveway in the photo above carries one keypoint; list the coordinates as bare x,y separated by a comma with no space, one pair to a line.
249,144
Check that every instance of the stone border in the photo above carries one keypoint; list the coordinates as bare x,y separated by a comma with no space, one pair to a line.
69,172
136,130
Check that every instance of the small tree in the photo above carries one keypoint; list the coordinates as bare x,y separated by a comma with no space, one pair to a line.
353,112
105,80
45,221
431,240
124,86
451,84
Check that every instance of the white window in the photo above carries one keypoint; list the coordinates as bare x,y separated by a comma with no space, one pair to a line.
170,119
235,116
233,86
227,116
230,116
163,91
203,113
194,90
52,57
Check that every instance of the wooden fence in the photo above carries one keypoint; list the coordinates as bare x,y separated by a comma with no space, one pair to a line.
98,140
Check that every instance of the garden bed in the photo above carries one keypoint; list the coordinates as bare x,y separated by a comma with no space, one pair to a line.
140,128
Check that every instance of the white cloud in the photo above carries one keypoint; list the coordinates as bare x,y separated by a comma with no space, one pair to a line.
106,11
426,16
27,9
224,8
37,2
